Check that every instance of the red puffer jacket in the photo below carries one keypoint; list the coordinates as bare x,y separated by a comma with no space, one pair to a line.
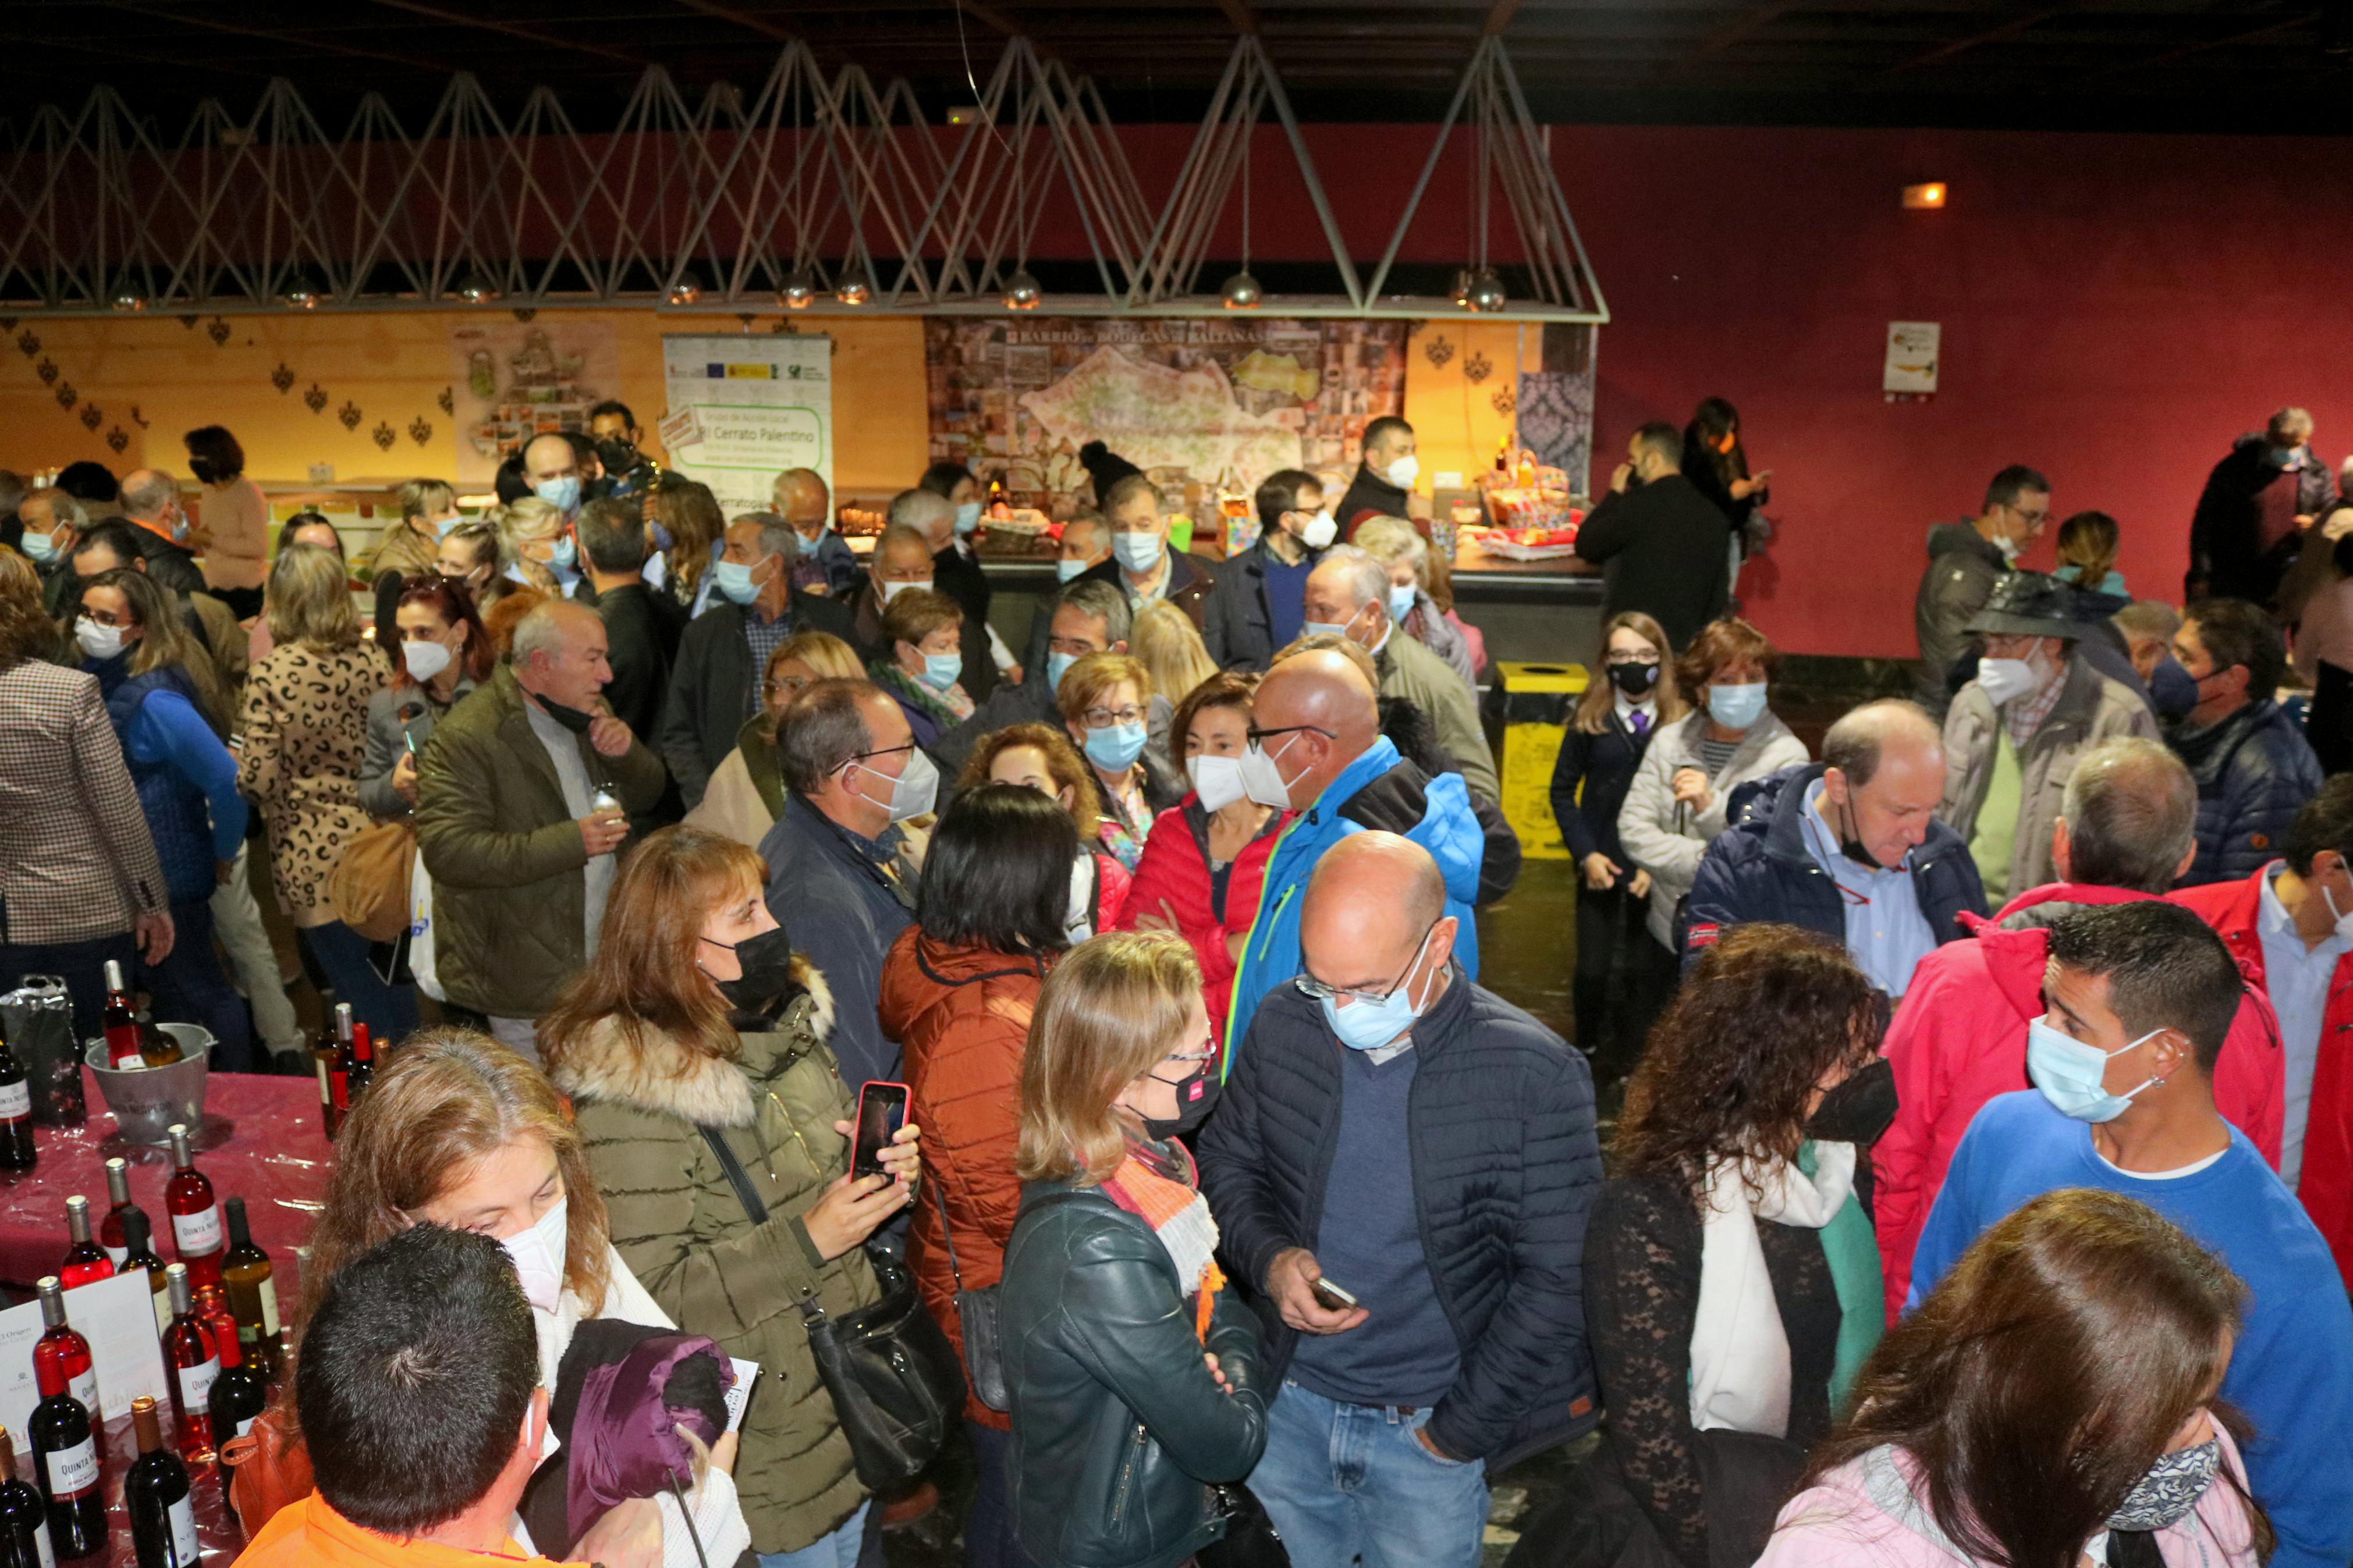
1959,1038
1175,870
961,1014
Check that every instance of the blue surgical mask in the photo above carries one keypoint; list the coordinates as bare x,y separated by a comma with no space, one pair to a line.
967,518
566,557
1116,746
941,670
562,494
734,580
1368,1025
1057,666
2172,690
1137,551
1400,602
1736,707
442,525
40,548
2072,1073
661,536
1066,570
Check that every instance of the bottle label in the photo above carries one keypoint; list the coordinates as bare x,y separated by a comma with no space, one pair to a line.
16,1100
270,1308
325,1097
41,1544
199,1233
246,1425
196,1386
185,1550
162,1311
84,1388
342,1089
116,1256
73,1472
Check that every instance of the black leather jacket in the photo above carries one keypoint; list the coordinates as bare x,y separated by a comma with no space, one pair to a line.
1120,1436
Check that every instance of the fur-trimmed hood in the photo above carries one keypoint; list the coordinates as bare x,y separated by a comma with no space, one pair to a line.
627,1065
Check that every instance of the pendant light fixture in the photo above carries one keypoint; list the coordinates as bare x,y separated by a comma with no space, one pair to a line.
1021,290
1241,291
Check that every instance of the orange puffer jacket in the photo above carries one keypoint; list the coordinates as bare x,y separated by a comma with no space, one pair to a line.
961,1016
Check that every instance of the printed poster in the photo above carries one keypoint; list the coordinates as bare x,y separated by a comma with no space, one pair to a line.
1911,365
515,380
754,406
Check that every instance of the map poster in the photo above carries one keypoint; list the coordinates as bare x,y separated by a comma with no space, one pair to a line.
1217,402
510,381
755,407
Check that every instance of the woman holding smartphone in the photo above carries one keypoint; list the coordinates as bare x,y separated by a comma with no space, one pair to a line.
1134,1373
697,1029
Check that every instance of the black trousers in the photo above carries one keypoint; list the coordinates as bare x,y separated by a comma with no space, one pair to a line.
1622,982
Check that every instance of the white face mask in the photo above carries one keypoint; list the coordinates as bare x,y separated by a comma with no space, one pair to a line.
2344,921
99,642
1081,920
425,660
2004,680
1262,777
1404,471
912,792
1320,532
1218,780
893,590
538,1255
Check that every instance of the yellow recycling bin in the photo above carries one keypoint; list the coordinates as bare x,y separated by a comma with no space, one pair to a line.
1530,703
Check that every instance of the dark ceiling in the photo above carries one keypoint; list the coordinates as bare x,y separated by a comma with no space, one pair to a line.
2201,65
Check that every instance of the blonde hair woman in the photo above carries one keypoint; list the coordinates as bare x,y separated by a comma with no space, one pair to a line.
1105,702
696,1027
536,548
1129,1344
1166,643
1415,573
746,790
305,726
460,1130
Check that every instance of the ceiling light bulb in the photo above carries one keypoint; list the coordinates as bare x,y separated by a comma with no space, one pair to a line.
301,293
799,292
474,288
127,298
1486,291
853,288
686,290
1021,292
1241,291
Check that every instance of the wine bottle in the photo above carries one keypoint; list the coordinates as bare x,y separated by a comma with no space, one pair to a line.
252,1293
196,1233
324,1057
121,1021
62,1347
118,1195
65,1445
156,1495
140,1253
192,1361
240,1395
212,1311
362,1071
24,1517
85,1259
16,1149
156,1048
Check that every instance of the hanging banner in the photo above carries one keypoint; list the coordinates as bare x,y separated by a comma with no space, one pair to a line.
753,407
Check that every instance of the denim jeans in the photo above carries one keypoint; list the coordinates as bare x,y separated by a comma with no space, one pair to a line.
989,1540
188,987
838,1549
389,1012
1343,1480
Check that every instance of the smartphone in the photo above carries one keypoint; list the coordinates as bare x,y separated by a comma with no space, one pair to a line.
1333,1296
882,1112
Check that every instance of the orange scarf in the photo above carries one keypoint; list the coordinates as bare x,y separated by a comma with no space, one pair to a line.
1177,1214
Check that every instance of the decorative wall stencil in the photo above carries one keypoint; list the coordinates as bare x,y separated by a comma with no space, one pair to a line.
90,417
217,330
1437,351
138,418
316,400
350,415
190,322
447,400
67,395
118,437
383,435
1477,368
30,344
1504,401
420,430
48,370
283,378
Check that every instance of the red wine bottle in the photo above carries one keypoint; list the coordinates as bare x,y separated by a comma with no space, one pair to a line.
156,1495
141,1254
62,1346
193,1361
197,1237
362,1071
323,1054
18,1152
240,1395
118,1196
65,1461
85,1259
121,1019
339,1070
24,1517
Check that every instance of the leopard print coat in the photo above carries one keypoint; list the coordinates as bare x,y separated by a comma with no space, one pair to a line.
305,735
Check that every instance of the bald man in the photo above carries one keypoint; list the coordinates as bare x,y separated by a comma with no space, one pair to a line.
1317,748
551,467
827,565
150,502
520,854
1850,846
1396,1132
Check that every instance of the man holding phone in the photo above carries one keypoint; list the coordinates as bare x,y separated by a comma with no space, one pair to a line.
1401,1168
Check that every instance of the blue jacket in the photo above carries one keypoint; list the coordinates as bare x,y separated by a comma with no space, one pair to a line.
1760,869
1379,791
185,777
1501,1150
2254,771
835,899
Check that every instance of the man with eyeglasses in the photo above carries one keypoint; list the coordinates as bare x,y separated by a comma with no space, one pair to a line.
1965,560
1316,747
1395,1131
1085,617
841,878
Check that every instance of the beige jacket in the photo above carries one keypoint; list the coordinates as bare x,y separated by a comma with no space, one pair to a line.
1669,840
2090,709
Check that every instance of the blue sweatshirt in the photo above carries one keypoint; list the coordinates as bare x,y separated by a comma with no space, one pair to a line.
169,729
2291,1372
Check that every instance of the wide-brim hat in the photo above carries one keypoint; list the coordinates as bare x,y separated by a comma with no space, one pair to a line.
2029,604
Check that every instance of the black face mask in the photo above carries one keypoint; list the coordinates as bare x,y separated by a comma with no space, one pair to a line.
1852,847
572,719
1197,1094
1634,680
768,964
618,456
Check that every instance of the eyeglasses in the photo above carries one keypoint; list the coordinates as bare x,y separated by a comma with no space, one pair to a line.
786,685
1105,718
1187,1057
1314,989
1259,737
109,618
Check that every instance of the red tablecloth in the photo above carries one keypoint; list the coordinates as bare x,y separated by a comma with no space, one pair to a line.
219,1536
260,1142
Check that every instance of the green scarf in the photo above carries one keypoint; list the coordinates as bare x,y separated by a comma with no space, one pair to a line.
1853,1252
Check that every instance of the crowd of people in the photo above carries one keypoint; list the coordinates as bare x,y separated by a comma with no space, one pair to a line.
1954,1160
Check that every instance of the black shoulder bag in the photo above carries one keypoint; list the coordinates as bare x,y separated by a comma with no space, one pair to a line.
984,1356
892,1374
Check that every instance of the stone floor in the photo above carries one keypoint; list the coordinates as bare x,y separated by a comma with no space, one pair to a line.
1526,952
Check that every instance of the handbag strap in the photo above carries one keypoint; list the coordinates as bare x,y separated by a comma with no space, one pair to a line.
947,1232
737,1177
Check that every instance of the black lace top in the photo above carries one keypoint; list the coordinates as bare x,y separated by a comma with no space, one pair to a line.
1642,1296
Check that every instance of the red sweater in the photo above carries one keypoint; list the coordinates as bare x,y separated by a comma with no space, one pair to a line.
1173,868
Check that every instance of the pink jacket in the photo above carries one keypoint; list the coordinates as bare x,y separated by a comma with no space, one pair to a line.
1959,1038
1840,1523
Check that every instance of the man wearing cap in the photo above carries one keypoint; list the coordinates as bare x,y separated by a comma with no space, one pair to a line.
2014,732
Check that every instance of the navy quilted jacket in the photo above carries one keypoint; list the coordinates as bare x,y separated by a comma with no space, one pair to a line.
1505,1166
2254,771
